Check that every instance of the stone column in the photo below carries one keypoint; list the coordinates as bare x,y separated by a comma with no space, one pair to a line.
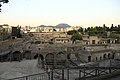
40,63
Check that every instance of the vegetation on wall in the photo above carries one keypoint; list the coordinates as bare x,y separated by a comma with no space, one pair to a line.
72,32
76,37
102,31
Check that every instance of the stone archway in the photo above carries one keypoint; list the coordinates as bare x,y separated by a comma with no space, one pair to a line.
16,56
40,59
100,58
49,59
109,56
96,59
39,55
27,55
60,58
114,55
105,56
89,58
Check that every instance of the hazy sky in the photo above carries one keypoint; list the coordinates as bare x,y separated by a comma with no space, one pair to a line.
83,13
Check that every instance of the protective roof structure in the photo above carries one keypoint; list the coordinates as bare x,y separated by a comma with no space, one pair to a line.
5,51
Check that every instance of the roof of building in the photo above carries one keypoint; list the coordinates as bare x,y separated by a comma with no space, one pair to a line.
101,51
4,51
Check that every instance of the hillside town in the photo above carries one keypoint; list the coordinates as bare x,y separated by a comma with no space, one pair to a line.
63,33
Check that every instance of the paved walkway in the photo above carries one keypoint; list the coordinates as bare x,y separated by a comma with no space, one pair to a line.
15,69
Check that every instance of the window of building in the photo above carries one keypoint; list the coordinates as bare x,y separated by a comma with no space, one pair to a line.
93,41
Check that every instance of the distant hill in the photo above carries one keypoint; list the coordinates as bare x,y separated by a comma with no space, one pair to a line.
62,25
42,26
45,26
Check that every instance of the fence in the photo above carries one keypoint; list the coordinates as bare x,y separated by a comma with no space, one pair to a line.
40,76
86,71
76,73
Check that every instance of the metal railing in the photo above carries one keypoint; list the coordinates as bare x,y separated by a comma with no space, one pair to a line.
40,76
75,72
85,71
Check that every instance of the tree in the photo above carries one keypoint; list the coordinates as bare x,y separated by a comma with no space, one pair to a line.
76,37
115,36
85,30
72,32
81,30
4,1
92,31
97,31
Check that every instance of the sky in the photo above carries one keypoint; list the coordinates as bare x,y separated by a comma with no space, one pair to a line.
84,13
